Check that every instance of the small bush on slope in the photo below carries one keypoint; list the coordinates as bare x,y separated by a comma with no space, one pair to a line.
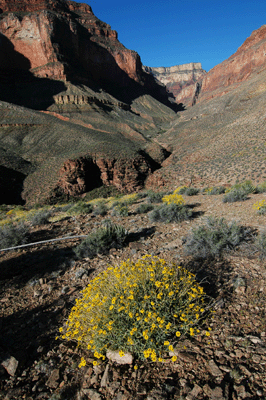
41,217
141,307
214,237
80,208
13,235
109,235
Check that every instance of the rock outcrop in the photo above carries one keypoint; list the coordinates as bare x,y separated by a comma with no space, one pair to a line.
248,59
84,174
179,80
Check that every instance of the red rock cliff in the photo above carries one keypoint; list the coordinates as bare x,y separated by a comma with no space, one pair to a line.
59,39
237,68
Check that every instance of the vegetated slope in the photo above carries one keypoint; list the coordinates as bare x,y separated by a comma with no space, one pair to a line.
98,114
220,139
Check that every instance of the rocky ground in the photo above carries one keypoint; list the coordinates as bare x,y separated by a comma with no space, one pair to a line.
40,284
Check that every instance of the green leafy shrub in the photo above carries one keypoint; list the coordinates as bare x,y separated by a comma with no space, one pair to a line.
142,308
214,190
41,217
12,235
144,208
214,237
80,208
170,213
101,240
180,190
100,208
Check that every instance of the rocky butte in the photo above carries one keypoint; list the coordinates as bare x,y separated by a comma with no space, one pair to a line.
180,80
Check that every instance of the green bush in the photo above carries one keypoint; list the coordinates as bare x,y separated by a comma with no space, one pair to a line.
214,190
120,210
261,188
12,235
216,236
260,244
144,208
100,208
80,208
141,307
235,195
239,192
155,197
190,191
170,213
41,217
108,236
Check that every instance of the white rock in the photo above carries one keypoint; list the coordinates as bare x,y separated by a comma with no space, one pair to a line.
115,356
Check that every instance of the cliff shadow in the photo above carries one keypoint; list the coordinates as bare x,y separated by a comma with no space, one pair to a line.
18,85
11,183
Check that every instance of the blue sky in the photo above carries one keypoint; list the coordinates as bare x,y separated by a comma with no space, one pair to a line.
173,32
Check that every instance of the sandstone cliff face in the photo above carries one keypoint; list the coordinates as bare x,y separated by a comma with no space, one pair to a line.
237,68
60,38
179,80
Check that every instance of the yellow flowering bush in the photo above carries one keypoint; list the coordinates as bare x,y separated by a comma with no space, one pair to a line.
260,206
174,199
141,307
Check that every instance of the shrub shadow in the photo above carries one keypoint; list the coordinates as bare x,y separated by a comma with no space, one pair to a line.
142,233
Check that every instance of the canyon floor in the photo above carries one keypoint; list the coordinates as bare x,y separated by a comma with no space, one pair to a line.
39,285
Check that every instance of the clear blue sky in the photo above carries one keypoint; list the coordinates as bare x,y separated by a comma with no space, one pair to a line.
172,32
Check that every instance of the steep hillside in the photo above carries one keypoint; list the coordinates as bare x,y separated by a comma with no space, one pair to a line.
98,107
219,141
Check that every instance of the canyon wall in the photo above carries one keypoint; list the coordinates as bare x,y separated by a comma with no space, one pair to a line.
179,80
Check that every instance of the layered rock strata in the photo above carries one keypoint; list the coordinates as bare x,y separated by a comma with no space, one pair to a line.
179,80
248,59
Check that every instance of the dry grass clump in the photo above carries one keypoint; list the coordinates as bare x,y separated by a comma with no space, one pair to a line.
142,307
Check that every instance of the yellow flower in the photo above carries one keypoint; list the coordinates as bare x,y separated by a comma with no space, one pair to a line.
174,358
121,353
171,348
82,362
207,333
135,367
166,343
178,334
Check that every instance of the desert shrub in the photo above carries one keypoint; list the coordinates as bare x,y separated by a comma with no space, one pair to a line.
260,244
100,208
129,199
155,197
173,199
170,213
102,192
41,217
141,307
237,194
261,188
191,191
12,235
120,210
213,190
214,237
80,208
101,240
260,206
144,208
180,190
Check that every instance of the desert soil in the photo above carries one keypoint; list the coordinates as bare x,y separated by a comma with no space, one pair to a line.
40,284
